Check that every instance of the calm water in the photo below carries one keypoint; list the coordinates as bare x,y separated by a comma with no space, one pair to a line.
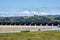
56,28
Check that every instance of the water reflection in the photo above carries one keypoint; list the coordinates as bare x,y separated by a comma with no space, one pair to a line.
55,28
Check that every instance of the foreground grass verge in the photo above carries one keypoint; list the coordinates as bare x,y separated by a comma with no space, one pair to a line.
46,35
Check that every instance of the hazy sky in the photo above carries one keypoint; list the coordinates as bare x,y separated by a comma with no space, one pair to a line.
13,7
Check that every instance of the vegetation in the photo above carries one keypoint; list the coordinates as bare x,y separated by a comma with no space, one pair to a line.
49,19
46,35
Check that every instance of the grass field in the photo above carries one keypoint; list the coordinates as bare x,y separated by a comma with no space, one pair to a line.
46,35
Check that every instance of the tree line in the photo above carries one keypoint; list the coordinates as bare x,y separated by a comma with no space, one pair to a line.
49,19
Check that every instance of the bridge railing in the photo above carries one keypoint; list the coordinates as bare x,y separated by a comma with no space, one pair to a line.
30,24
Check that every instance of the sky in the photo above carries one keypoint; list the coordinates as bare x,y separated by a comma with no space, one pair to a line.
29,7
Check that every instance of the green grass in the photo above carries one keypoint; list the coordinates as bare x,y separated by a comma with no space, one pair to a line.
46,35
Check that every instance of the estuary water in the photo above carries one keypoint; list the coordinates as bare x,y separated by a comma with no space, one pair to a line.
47,29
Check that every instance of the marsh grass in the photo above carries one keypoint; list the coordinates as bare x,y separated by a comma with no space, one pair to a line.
46,35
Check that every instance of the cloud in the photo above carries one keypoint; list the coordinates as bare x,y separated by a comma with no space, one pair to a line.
44,13
28,13
24,11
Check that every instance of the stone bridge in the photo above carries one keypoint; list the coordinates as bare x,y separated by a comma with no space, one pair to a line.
23,28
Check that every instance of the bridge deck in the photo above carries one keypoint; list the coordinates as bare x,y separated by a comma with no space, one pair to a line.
16,27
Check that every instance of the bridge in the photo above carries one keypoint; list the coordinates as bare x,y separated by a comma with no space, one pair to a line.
4,28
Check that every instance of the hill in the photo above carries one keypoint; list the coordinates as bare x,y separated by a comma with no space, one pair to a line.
47,19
